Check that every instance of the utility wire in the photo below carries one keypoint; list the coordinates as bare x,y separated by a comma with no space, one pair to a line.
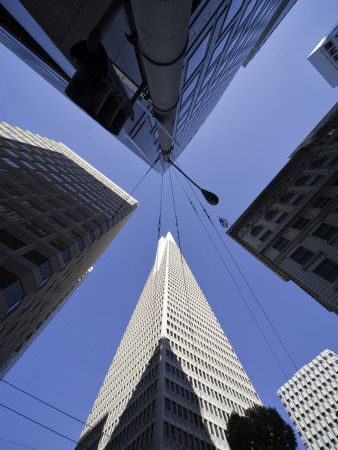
246,282
59,410
17,443
40,424
160,215
235,283
136,186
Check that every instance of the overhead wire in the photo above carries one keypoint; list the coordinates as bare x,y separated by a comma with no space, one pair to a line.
246,281
48,404
17,443
40,424
235,283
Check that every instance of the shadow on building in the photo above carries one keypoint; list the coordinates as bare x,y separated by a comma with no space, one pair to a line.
163,412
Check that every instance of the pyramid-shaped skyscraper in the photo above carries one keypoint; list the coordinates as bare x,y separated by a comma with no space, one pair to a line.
175,378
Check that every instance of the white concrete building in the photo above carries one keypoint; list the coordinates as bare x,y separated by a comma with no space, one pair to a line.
325,57
175,378
311,400
57,216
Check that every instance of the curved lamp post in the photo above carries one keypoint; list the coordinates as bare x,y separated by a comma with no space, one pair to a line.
210,197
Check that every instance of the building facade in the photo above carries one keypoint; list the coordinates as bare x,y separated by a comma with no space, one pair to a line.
311,399
220,35
292,226
325,57
175,378
57,216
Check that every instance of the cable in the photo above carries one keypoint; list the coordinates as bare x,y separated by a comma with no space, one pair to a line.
247,283
136,186
235,283
17,443
59,410
160,215
41,425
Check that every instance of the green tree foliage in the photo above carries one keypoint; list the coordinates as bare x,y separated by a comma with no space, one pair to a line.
260,429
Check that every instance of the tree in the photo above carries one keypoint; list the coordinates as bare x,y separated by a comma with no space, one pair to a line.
260,429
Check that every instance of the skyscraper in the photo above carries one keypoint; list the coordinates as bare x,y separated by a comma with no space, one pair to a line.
311,399
175,378
324,57
57,216
291,227
179,70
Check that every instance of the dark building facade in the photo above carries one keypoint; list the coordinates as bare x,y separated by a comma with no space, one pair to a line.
292,226
57,216
218,37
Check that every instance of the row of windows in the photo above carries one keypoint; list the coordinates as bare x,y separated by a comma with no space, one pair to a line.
124,434
326,269
192,398
187,440
213,369
203,388
193,418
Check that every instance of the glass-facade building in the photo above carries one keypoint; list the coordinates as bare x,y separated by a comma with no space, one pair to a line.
222,35
57,216
175,378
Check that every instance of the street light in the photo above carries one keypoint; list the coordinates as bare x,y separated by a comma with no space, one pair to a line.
210,197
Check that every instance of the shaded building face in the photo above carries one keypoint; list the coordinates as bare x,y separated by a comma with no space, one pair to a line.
175,379
220,37
292,226
57,216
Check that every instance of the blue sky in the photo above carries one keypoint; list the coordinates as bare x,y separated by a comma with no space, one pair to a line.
266,112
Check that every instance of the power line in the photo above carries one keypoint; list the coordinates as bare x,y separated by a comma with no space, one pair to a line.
136,186
246,282
59,410
40,424
17,443
235,283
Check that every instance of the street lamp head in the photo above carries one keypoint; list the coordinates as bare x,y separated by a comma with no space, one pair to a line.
210,197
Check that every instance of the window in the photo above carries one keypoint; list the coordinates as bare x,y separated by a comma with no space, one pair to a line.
9,212
282,218
300,223
80,244
31,226
270,214
301,255
317,163
328,270
325,231
10,241
64,250
32,206
281,244
42,262
265,235
9,190
56,222
302,180
256,230
317,180
286,197
12,287
320,202
298,199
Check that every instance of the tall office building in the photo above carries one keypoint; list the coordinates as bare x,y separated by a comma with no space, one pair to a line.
175,378
57,216
325,57
182,56
311,399
292,226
